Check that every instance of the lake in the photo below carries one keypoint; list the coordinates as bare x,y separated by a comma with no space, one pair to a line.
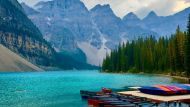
62,89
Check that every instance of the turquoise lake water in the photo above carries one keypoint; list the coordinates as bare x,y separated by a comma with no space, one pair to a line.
62,89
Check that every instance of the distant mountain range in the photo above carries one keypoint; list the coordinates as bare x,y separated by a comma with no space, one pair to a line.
70,27
21,36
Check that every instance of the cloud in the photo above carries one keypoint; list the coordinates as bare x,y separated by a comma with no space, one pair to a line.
140,7
161,7
31,2
120,7
186,0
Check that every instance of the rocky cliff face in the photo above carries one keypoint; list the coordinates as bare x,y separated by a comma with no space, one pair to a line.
20,35
16,4
34,50
64,23
69,26
109,25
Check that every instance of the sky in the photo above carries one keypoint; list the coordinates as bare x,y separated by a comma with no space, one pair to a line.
139,7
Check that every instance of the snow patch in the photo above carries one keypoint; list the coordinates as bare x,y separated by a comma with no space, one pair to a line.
48,23
95,56
48,18
38,7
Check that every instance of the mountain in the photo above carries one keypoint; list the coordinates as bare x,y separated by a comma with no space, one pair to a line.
65,24
136,28
131,19
20,35
16,4
28,10
166,25
151,17
162,25
9,62
109,24
69,26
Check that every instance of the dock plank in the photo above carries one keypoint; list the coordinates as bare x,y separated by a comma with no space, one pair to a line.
157,97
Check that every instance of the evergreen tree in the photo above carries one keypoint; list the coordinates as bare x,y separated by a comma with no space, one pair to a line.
150,54
187,50
179,50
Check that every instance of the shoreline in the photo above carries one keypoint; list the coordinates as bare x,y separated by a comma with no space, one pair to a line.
175,78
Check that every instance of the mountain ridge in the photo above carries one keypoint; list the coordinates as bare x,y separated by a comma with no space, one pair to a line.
92,27
20,35
27,9
131,15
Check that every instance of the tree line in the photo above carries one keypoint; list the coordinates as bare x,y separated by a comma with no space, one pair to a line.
152,55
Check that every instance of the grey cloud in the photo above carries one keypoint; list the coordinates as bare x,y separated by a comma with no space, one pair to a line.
140,7
161,7
186,0
31,2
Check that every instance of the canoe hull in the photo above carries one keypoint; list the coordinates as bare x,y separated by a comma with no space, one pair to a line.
155,92
166,90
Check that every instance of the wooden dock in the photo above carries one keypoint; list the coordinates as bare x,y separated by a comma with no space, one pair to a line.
177,98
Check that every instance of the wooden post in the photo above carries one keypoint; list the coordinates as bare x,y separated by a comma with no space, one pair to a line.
179,104
175,104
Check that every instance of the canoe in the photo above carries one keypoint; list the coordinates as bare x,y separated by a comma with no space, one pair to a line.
106,98
105,103
106,90
178,89
86,94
